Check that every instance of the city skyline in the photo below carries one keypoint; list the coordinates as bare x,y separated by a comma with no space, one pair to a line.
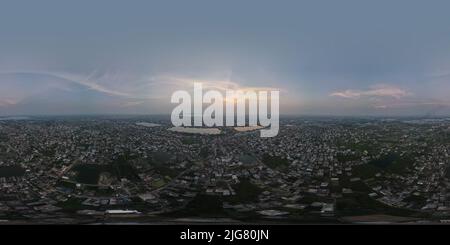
340,59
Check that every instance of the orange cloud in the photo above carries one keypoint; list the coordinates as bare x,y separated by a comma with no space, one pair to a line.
379,90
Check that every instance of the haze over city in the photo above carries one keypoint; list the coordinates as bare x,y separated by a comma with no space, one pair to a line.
327,58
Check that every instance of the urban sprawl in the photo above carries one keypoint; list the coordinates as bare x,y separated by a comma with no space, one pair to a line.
100,169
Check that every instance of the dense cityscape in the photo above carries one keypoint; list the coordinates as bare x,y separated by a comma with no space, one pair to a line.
118,169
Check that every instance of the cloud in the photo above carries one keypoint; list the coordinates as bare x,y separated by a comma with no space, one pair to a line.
432,103
86,81
380,106
377,91
120,91
440,73
132,103
7,102
187,83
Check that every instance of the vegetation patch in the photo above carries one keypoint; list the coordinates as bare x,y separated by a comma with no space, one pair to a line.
246,192
275,162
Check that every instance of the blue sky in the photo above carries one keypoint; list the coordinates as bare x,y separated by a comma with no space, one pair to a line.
327,57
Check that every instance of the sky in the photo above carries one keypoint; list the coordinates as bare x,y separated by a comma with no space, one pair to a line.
359,57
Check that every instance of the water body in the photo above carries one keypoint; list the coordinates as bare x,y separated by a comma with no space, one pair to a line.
248,128
146,124
11,171
206,131
247,159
